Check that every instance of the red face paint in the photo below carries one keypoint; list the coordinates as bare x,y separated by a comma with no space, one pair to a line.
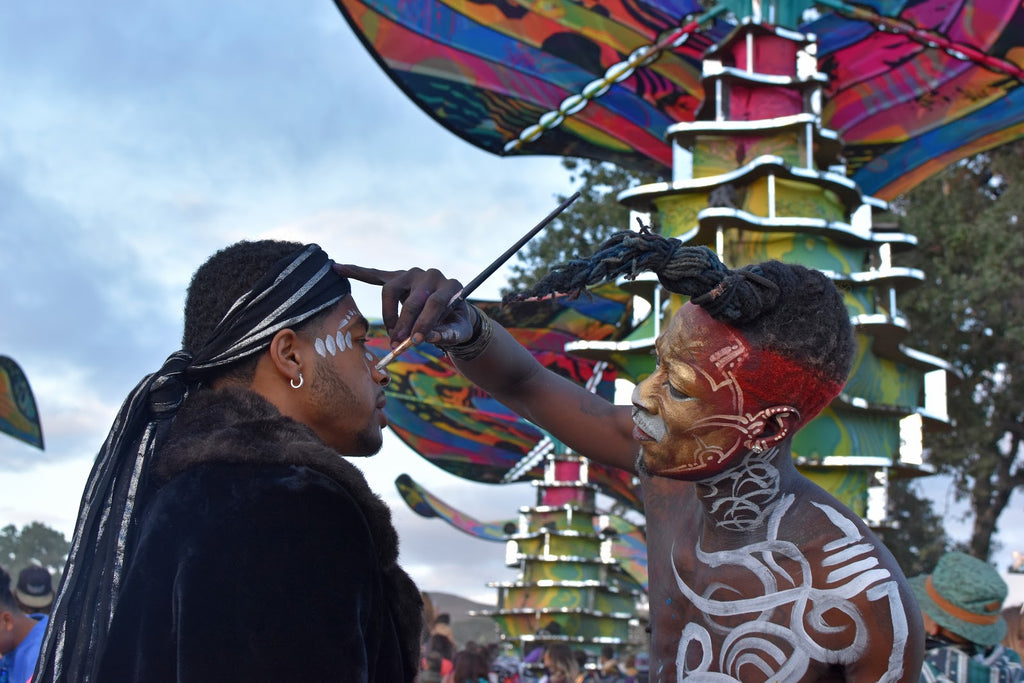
713,394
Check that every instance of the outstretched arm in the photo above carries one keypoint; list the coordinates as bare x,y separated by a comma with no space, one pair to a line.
585,422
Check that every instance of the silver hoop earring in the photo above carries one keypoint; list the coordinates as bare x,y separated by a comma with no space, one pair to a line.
292,383
757,448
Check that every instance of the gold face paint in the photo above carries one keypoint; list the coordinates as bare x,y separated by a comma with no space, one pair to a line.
692,414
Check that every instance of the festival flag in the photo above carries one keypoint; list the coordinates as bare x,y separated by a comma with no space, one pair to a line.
18,414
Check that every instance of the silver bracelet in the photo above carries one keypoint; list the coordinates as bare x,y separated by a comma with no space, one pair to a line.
483,332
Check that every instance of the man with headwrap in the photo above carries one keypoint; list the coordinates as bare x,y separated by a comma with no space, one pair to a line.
756,574
221,536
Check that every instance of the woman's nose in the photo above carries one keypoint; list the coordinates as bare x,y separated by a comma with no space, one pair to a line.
637,398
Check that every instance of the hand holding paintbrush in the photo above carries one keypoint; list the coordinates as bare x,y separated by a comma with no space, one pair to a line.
379,277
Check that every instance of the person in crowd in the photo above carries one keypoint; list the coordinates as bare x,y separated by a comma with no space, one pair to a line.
608,665
961,603
445,650
560,664
504,666
34,590
755,572
21,636
629,666
430,669
1014,638
642,667
442,626
536,654
221,535
470,667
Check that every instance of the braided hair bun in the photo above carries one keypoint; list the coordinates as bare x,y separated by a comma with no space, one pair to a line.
791,309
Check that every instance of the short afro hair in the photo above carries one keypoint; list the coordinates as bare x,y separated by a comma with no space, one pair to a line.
218,283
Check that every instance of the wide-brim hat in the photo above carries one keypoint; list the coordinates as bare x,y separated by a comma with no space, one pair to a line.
34,588
965,596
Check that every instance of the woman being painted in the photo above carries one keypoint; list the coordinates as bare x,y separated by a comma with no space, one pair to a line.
756,573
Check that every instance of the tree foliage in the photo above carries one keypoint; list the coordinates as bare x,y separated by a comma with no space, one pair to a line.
916,536
970,312
588,221
34,543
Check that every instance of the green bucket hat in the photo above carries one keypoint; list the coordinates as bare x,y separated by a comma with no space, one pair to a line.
964,595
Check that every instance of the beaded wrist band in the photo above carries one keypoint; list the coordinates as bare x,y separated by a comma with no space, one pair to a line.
483,332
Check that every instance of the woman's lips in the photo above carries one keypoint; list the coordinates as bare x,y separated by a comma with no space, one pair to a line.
647,427
640,435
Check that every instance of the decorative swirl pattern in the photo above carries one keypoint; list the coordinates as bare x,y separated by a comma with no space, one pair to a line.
766,645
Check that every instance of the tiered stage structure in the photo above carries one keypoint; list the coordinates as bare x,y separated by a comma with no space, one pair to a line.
572,585
757,177
786,126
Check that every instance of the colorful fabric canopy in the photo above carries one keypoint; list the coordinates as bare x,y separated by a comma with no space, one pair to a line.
913,86
444,418
18,414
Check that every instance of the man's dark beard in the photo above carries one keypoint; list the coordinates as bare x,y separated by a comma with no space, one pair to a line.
328,387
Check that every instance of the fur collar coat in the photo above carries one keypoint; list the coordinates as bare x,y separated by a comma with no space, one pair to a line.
261,554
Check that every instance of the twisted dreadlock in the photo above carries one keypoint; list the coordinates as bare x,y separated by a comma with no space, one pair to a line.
791,309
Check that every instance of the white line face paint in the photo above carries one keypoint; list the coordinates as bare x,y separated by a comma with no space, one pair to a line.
340,341
784,629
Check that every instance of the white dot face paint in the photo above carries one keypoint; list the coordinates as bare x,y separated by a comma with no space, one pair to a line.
340,341
344,340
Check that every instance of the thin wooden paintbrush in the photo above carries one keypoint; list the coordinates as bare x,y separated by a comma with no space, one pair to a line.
463,293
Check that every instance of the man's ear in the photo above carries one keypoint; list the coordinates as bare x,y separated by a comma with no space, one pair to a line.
774,425
287,355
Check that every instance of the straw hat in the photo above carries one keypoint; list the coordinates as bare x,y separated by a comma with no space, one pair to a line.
965,596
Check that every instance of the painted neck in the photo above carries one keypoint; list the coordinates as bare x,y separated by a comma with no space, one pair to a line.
743,498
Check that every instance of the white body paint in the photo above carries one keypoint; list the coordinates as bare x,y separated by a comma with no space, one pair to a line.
746,499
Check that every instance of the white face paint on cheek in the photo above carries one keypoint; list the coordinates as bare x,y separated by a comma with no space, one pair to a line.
340,341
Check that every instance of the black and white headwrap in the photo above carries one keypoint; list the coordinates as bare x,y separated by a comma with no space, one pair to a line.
296,288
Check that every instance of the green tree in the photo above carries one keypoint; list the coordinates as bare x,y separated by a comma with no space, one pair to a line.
588,221
970,313
916,536
35,543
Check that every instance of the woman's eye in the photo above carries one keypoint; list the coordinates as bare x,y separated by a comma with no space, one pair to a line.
675,393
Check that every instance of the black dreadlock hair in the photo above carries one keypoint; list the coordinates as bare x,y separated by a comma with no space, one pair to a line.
788,308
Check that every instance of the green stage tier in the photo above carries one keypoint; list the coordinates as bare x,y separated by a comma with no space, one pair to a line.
757,177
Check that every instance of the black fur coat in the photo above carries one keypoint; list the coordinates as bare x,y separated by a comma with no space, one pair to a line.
261,555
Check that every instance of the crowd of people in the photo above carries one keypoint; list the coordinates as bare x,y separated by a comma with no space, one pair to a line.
971,638
445,662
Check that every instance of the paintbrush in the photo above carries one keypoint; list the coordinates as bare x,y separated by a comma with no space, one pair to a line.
484,274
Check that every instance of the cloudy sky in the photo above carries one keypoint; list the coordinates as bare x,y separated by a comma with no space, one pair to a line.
136,138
